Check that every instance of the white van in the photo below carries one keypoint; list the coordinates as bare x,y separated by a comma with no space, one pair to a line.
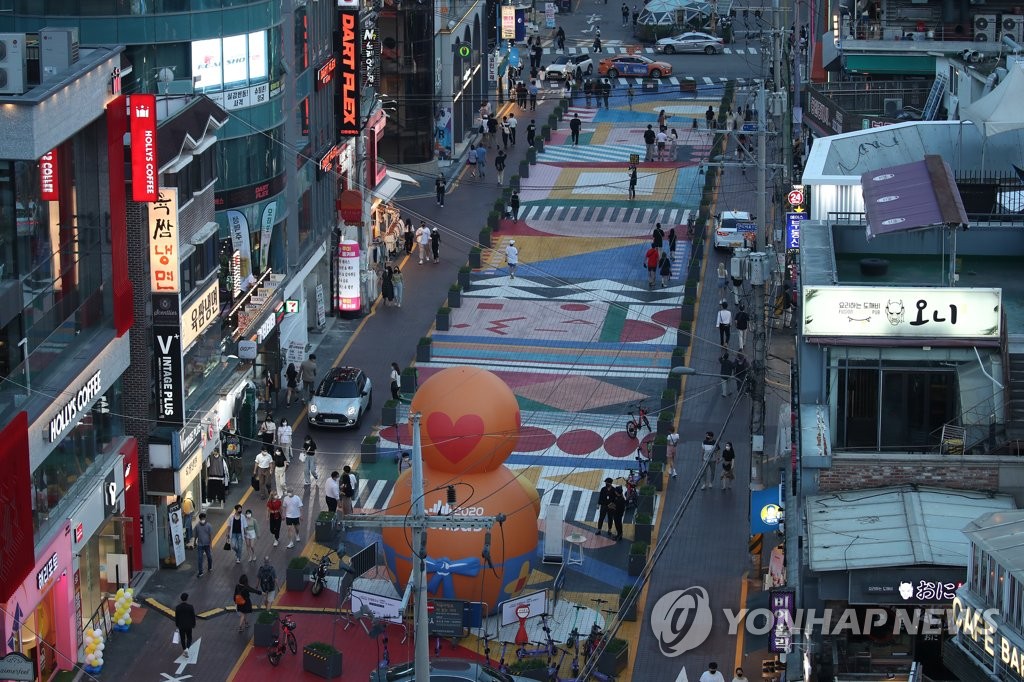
734,230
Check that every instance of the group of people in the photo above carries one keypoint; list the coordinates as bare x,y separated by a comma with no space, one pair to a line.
611,503
713,455
658,259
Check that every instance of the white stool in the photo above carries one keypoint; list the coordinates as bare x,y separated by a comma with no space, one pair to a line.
575,554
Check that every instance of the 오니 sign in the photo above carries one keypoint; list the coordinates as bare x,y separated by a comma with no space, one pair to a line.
914,312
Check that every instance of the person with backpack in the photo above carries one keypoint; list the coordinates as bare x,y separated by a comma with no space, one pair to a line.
742,322
266,578
349,490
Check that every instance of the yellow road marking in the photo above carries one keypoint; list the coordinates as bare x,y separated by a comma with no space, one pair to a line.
737,663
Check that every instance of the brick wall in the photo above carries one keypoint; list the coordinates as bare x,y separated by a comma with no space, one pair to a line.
874,473
138,378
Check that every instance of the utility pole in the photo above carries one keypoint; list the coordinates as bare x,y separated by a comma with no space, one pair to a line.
419,523
756,373
762,171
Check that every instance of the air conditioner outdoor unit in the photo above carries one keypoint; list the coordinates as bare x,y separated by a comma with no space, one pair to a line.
986,26
893,106
1011,26
58,50
13,69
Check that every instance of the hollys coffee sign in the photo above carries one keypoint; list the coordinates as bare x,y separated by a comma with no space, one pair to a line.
143,136
73,410
48,187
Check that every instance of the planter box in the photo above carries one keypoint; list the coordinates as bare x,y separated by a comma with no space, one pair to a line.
665,426
642,532
630,613
614,663
658,451
538,144
524,169
678,359
474,259
442,322
423,353
657,479
686,312
485,239
683,338
464,280
368,452
539,674
323,532
326,666
296,579
645,505
264,634
410,380
388,415
669,404
454,298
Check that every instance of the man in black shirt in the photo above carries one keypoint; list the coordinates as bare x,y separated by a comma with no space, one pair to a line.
606,506
574,127
649,138
185,620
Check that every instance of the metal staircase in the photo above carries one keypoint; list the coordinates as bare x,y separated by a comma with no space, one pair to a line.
931,106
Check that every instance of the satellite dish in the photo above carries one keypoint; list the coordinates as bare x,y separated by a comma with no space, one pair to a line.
165,75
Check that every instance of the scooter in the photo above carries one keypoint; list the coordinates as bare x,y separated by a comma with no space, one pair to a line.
320,574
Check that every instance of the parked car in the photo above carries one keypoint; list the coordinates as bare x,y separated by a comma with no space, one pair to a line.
692,41
569,63
342,398
445,670
633,65
733,229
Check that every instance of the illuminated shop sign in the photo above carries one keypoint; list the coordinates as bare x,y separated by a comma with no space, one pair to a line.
371,52
348,75
347,295
325,74
327,160
73,409
981,627
170,395
232,59
200,314
163,242
49,190
143,142
46,573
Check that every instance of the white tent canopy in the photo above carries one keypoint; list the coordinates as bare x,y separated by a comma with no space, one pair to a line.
1000,110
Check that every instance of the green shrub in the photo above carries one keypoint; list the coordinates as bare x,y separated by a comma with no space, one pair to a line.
643,518
425,341
638,548
298,563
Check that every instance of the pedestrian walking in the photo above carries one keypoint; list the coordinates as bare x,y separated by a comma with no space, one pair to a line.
533,91
291,377
724,322
439,189
268,431
404,462
252,532
739,676
710,460
663,118
742,322
396,382
399,283
308,457
266,578
672,240
574,128
349,489
723,282
292,504
513,204
665,269
513,123
531,132
332,495
470,162
606,506
521,94
606,92
725,367
625,14
560,39
651,261
512,258
492,131
410,237
270,389
274,516
281,462
728,466
661,139
185,621
236,532
636,16
632,181
204,539
712,674
243,601
263,471
739,371
597,41
504,132
284,438
481,162
709,116
670,452
307,370
658,237
588,90
649,140
188,508
435,244
423,238
630,94
619,500
499,165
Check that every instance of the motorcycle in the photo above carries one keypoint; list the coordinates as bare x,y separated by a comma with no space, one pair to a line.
320,574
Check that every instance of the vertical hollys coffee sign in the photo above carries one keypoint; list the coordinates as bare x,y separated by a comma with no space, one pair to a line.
49,189
348,74
142,116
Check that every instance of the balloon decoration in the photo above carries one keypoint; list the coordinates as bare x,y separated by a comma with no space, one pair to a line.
123,609
94,646
469,426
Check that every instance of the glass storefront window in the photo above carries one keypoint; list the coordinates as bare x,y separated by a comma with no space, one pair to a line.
71,461
38,636
203,358
248,160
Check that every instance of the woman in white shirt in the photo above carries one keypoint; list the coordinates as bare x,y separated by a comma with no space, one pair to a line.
396,382
284,438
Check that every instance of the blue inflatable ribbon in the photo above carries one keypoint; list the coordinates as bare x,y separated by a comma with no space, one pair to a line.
442,570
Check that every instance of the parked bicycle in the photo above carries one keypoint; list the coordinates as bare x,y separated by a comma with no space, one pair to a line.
638,420
285,640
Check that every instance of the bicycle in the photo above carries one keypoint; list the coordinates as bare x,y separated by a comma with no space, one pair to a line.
285,640
638,420
631,493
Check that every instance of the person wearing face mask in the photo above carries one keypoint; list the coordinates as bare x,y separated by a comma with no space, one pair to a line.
252,532
280,468
204,538
308,455
236,529
274,516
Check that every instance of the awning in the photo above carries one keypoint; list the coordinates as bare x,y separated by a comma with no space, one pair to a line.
402,177
901,64
387,189
912,196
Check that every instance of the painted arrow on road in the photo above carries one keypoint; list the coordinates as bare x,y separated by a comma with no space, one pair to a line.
190,657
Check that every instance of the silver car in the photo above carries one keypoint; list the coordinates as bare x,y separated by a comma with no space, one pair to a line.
342,398
571,64
445,670
691,42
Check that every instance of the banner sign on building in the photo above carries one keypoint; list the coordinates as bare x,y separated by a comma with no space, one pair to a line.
783,607
200,314
793,221
902,312
170,389
142,114
347,295
370,57
348,75
508,22
164,264
49,189
266,232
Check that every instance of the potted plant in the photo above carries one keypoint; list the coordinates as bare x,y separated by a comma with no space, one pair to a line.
423,349
545,133
524,168
538,144
665,418
656,474
493,218
615,656
684,334
630,611
475,258
485,238
658,448
679,356
368,448
410,380
515,183
389,413
668,399
645,499
323,528
295,575
321,659
531,155
266,629
687,309
442,320
637,558
530,668
464,272
455,296
553,122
